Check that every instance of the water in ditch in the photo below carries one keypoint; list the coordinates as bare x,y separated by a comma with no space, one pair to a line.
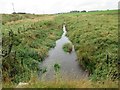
69,66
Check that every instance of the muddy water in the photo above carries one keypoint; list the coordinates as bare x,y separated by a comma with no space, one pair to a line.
70,68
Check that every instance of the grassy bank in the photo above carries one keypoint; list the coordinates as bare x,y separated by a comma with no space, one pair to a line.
73,84
25,44
59,83
95,37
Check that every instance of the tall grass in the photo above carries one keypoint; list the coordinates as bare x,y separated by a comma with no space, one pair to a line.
95,37
67,47
25,45
93,34
60,83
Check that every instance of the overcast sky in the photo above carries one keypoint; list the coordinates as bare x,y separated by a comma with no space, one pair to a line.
55,6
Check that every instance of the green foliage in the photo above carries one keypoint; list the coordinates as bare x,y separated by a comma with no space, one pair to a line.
67,47
63,84
57,67
43,70
94,35
25,45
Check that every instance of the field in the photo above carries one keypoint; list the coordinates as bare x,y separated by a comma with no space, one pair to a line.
25,45
95,37
26,40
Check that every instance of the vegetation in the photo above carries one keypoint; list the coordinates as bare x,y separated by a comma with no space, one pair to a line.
25,45
15,17
72,84
95,37
27,40
35,83
67,47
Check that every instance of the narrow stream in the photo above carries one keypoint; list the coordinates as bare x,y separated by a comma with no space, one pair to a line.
70,68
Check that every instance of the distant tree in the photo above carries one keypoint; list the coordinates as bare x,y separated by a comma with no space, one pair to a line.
14,13
83,11
75,11
21,13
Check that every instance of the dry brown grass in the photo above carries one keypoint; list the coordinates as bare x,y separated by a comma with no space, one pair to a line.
46,17
71,84
83,83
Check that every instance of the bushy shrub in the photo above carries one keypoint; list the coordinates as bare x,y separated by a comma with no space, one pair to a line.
67,47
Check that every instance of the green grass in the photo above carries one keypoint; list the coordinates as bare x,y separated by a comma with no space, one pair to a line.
95,37
60,83
15,17
63,84
67,47
25,45
93,34
72,84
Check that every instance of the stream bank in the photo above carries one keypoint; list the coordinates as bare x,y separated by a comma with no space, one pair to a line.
69,66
